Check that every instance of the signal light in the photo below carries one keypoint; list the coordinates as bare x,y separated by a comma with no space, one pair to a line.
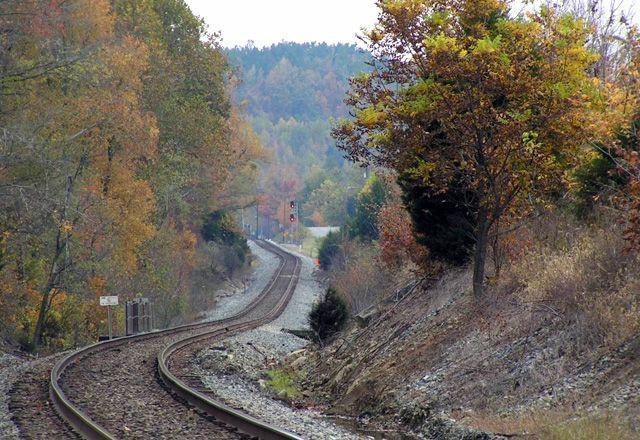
292,204
292,218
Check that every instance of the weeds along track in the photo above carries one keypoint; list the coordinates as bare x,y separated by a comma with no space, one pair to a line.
140,387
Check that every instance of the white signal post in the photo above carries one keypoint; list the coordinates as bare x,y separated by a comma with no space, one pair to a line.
109,301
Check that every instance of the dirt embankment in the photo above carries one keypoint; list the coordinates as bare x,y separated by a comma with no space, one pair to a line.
435,360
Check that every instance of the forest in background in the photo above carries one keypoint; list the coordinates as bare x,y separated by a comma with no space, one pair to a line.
291,92
118,140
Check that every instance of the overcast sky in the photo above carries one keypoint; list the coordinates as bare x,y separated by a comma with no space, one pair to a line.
270,21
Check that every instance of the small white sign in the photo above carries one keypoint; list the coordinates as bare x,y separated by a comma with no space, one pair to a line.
108,300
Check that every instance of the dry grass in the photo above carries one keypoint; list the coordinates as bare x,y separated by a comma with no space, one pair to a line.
568,298
557,425
587,278
359,278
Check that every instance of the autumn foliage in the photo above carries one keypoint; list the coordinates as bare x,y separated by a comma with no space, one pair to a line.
397,242
117,136
464,95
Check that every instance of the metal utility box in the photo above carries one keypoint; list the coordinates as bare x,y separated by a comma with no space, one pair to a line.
138,316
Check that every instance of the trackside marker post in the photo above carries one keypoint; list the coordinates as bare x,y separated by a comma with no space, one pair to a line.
109,301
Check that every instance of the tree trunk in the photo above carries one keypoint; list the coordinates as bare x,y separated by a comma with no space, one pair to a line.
42,315
480,257
54,273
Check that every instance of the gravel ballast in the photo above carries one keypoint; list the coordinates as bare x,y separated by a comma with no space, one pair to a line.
233,302
235,368
10,369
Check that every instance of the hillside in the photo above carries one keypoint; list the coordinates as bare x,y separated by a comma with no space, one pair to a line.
290,93
552,351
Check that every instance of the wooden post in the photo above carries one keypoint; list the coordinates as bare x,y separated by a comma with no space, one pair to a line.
109,318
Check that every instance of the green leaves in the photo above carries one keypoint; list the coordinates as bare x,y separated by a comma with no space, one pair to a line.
420,98
441,43
487,45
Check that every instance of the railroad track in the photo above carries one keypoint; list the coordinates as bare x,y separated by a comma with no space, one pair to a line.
137,386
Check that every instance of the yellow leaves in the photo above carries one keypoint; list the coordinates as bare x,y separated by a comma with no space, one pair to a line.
407,8
530,141
66,227
130,206
442,43
91,22
439,18
123,206
126,62
424,170
375,36
370,117
98,285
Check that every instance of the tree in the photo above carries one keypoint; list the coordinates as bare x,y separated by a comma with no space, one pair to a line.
330,249
74,136
464,95
290,91
117,136
329,315
397,242
371,198
443,220
329,199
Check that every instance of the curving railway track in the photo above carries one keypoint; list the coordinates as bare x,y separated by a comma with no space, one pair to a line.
140,387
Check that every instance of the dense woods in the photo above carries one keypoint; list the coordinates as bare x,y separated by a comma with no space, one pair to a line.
117,137
291,92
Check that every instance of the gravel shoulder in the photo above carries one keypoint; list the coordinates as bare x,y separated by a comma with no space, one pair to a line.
10,369
234,369
233,301
25,410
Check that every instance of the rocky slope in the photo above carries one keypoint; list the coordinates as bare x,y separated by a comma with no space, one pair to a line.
434,360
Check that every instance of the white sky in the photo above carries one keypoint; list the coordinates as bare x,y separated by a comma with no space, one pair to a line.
270,21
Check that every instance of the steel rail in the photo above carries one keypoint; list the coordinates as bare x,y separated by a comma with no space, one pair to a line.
244,422
89,429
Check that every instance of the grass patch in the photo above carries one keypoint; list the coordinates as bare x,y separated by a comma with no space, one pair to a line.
591,428
310,246
282,383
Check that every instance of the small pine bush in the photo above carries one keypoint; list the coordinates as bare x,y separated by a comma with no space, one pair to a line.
328,316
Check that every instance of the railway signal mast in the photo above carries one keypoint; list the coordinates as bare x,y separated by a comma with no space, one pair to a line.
294,217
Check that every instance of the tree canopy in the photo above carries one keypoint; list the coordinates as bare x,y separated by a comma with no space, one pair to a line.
118,135
290,92
465,95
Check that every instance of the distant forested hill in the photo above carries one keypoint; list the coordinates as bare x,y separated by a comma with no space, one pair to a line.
290,91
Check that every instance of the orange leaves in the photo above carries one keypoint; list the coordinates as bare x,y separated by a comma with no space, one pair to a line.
317,218
120,218
397,243
91,22
98,285
66,227
45,17
84,110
